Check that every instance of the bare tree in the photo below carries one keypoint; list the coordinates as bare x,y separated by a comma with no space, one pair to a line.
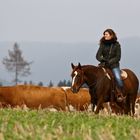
15,63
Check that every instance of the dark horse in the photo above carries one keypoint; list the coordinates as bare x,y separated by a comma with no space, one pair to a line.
100,86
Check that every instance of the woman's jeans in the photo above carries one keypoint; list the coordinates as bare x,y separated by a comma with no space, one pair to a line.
117,73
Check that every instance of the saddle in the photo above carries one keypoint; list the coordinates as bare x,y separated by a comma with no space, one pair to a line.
124,74
110,75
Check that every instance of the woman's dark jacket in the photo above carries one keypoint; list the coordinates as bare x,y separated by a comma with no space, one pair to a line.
109,53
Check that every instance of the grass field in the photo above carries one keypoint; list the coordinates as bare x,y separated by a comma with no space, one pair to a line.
18,124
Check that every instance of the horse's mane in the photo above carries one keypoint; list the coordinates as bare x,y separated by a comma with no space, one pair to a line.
89,67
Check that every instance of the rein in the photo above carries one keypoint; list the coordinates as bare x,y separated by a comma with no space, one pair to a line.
92,84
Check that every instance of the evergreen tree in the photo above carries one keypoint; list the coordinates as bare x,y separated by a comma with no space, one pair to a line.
60,84
15,63
1,84
25,83
40,83
31,82
50,84
64,83
68,83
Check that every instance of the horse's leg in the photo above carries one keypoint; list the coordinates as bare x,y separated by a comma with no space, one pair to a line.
117,109
127,109
99,105
132,103
133,108
93,98
94,102
92,107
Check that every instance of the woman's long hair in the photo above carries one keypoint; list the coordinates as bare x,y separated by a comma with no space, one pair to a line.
112,33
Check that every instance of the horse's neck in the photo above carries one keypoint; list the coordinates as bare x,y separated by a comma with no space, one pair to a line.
92,73
95,77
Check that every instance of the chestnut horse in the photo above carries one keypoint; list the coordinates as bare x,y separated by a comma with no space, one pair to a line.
100,86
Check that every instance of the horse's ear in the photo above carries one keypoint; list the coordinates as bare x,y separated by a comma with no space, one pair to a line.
79,65
72,65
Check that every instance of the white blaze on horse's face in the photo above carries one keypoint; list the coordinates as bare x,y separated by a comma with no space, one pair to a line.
74,77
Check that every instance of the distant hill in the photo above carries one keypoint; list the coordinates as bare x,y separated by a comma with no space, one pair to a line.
131,54
52,61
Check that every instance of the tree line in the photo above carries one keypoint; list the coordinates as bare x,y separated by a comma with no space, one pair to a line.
51,84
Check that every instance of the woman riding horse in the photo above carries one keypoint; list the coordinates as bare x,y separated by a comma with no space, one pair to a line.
109,54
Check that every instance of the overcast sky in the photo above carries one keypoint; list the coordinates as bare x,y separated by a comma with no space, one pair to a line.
67,20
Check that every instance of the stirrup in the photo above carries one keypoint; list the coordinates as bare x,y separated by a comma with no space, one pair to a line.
119,99
120,96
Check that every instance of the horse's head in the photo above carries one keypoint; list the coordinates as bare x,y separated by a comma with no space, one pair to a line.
77,77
